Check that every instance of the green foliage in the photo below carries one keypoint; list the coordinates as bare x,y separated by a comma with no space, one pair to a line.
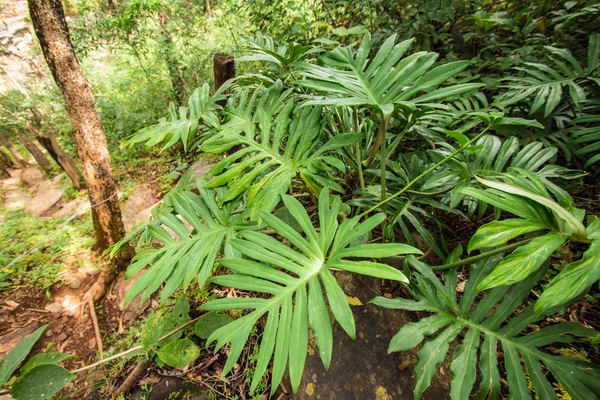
186,126
545,84
522,351
527,198
385,82
40,377
188,252
297,295
41,269
277,143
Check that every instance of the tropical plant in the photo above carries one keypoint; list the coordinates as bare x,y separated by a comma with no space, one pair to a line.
277,143
386,82
188,125
40,377
522,351
193,229
294,279
545,84
525,195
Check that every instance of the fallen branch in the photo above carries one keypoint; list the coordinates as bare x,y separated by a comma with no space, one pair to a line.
132,378
96,327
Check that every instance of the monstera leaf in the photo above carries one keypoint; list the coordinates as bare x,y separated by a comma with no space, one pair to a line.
522,353
277,142
193,229
297,280
350,79
184,124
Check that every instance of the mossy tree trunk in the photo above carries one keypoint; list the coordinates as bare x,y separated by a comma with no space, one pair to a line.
51,29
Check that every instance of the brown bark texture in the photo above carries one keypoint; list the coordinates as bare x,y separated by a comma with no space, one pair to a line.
6,159
224,69
39,156
65,162
53,33
20,160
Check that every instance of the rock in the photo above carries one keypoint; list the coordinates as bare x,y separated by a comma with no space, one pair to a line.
141,198
15,173
47,196
142,216
120,289
89,271
73,207
57,178
11,183
200,168
32,176
53,308
15,199
62,337
75,283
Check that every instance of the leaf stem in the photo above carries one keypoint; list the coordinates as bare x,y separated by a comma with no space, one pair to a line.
426,172
481,256
135,348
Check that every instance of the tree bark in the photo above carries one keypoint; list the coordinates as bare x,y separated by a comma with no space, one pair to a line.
20,160
39,156
4,168
208,9
66,163
53,33
6,159
224,69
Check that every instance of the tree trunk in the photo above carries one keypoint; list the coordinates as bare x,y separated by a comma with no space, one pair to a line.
39,156
224,69
4,168
207,9
20,160
6,159
66,163
51,29
173,67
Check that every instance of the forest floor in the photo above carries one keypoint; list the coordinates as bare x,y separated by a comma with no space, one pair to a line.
56,298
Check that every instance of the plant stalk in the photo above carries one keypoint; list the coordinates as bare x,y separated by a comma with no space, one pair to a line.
135,348
481,256
426,172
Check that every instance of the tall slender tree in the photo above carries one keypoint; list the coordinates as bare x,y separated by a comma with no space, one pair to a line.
53,33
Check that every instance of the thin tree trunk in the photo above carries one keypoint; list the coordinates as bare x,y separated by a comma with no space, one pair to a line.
39,156
66,163
51,29
224,69
3,168
6,159
20,160
172,62
208,9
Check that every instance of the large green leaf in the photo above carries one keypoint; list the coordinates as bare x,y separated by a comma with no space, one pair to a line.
349,79
184,124
277,142
188,251
297,281
179,354
524,261
499,232
487,317
42,382
574,279
11,361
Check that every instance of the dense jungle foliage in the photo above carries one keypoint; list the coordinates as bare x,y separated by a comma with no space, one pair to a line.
450,147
